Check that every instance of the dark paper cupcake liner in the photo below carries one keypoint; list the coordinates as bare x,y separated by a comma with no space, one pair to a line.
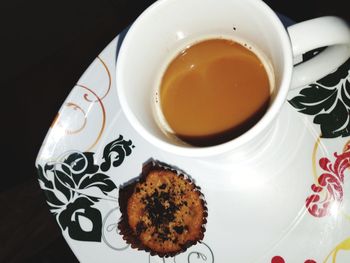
127,190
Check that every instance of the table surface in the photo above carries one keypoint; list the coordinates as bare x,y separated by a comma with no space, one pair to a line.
46,48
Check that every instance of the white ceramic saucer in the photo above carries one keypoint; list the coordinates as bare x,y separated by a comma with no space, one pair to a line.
288,201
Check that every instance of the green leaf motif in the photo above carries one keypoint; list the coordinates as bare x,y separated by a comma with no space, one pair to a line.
335,123
79,164
62,180
328,100
345,94
333,78
99,180
64,184
52,199
48,186
41,175
314,99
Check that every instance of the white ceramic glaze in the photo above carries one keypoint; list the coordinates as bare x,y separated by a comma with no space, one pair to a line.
331,32
160,32
262,206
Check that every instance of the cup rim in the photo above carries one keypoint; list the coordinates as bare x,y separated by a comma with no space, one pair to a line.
235,143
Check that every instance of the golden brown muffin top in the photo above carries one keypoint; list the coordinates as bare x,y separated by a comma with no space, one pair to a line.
166,212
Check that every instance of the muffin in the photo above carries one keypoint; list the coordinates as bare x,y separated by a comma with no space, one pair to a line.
163,211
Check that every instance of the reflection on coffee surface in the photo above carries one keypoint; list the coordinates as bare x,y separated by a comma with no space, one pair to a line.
213,91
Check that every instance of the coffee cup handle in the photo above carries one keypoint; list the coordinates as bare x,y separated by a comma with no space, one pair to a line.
329,31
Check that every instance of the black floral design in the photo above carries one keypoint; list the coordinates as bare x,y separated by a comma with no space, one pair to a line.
69,218
115,152
68,184
328,99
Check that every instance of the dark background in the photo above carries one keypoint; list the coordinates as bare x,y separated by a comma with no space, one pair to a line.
45,47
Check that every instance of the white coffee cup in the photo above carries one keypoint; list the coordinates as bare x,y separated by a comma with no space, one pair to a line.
168,26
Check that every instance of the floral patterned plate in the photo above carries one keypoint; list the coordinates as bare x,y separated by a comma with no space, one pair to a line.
286,201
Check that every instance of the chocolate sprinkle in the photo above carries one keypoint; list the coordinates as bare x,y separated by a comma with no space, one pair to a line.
162,213
140,227
179,229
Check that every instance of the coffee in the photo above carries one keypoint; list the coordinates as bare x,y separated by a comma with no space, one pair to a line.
214,91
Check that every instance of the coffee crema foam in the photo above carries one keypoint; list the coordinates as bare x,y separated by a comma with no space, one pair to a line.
213,91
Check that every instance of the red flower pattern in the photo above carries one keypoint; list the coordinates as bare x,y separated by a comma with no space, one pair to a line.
330,184
279,259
